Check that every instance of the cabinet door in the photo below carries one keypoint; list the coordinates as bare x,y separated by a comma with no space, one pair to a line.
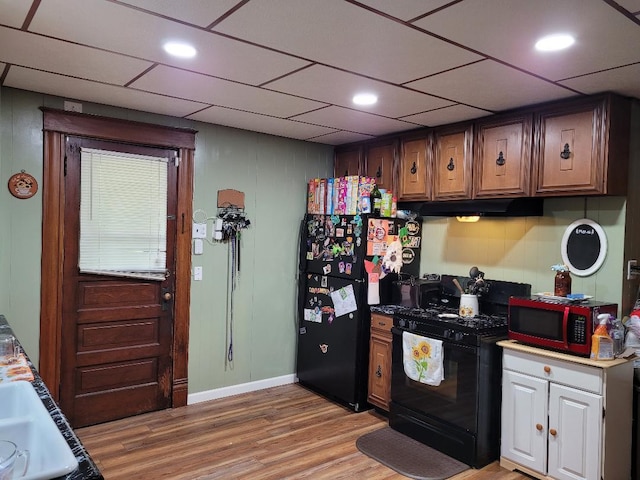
347,163
380,163
503,157
414,171
380,369
575,429
524,420
452,164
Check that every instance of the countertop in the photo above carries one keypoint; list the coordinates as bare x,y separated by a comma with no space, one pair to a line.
515,345
87,469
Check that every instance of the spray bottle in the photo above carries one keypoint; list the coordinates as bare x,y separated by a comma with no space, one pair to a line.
601,342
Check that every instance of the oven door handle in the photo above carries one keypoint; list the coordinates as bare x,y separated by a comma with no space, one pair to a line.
565,324
446,344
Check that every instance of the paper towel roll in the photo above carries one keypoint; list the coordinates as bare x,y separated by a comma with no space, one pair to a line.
373,292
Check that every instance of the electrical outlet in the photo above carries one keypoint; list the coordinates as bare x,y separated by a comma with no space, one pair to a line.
199,230
197,273
631,269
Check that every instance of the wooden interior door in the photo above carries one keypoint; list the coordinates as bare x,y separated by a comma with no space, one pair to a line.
116,331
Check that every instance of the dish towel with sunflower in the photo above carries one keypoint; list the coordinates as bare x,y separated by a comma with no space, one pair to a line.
422,359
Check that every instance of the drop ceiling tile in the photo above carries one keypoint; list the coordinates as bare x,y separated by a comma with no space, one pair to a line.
491,86
603,34
623,80
338,33
260,123
337,87
443,116
73,88
632,5
354,121
340,137
214,91
197,12
14,12
140,34
407,9
36,51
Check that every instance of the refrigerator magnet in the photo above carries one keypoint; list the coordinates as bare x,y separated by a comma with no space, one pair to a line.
330,319
326,269
324,347
339,232
347,269
323,280
309,255
349,230
341,267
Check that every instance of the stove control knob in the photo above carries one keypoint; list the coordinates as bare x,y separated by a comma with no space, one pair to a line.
447,333
402,323
458,336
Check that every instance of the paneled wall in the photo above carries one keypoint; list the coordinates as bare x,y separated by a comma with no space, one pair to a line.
272,171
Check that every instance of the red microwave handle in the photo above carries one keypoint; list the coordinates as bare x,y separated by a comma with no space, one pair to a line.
565,323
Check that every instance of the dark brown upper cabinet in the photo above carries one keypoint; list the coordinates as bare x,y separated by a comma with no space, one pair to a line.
414,169
452,162
380,164
502,160
347,162
582,147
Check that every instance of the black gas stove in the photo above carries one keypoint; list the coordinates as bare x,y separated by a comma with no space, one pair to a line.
461,415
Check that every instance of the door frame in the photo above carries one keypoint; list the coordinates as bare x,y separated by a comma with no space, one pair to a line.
57,125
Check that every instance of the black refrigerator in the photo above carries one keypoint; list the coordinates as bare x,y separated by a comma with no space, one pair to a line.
333,309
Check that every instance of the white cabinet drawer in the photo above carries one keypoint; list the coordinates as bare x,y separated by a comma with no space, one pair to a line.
567,373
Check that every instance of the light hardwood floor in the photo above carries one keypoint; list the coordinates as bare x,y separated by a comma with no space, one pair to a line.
285,432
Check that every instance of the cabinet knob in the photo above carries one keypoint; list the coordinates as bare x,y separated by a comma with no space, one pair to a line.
379,171
451,165
500,161
566,152
414,169
539,427
547,369
379,372
553,431
167,296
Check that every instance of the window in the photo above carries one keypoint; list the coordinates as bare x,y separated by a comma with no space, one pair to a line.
123,214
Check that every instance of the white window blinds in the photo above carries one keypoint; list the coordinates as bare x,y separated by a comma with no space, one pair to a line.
123,214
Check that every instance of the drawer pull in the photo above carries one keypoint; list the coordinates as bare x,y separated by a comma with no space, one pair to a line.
451,165
538,427
566,152
382,324
500,161
553,432
414,169
547,369
379,372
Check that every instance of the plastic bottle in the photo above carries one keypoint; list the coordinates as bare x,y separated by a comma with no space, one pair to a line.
376,200
617,335
601,342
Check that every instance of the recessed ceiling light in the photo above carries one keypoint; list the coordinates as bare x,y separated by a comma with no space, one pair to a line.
178,49
554,42
365,99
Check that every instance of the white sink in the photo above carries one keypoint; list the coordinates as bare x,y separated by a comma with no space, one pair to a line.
24,420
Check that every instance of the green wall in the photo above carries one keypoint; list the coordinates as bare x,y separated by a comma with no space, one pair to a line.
523,249
272,171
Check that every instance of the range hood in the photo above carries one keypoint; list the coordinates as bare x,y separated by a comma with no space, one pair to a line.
499,207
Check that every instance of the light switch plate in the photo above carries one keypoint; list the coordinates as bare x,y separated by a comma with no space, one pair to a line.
199,230
198,246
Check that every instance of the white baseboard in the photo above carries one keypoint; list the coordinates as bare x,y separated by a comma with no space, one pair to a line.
238,389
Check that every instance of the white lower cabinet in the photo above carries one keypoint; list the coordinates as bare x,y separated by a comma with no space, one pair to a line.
565,417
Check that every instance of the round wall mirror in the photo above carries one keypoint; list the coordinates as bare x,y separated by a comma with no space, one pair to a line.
584,247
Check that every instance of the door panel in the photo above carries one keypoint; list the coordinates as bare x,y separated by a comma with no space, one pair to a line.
116,331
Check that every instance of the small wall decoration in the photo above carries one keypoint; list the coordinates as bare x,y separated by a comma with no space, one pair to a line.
22,185
584,247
